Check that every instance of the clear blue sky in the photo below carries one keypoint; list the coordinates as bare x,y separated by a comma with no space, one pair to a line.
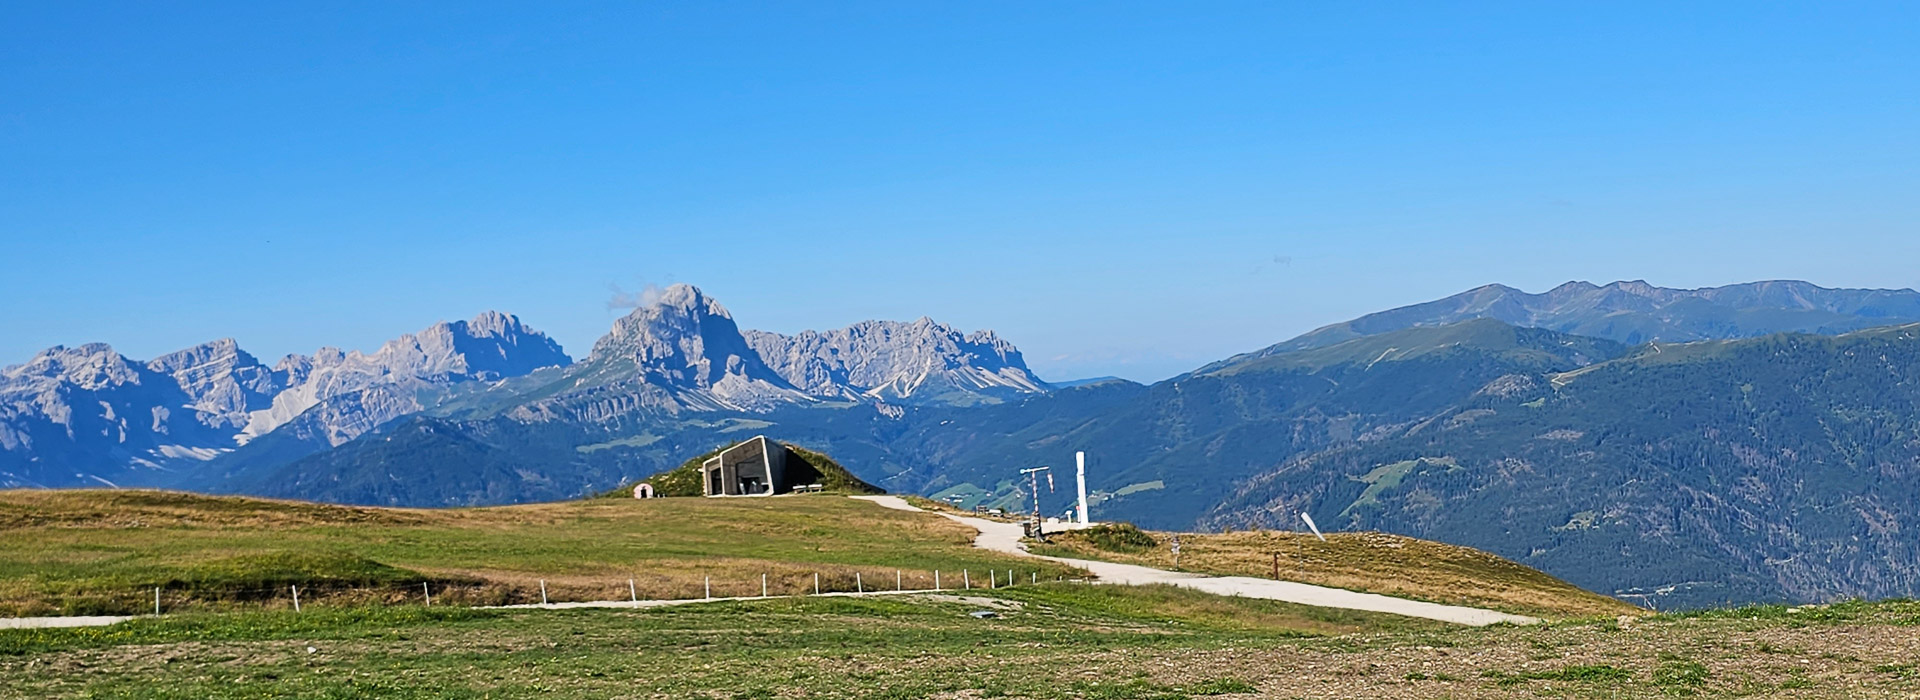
1129,189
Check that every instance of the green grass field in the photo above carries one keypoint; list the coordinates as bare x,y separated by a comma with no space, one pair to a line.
362,633
1049,642
97,552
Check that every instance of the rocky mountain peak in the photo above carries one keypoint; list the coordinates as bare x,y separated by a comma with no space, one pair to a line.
686,341
922,359
89,366
222,381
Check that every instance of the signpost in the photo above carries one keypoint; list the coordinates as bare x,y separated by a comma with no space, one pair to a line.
1033,484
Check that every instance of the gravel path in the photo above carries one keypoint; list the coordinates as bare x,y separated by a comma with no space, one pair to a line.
1005,537
27,623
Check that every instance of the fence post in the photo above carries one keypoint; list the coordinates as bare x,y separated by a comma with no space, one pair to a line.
816,583
896,581
709,588
936,579
966,578
1033,577
156,600
296,598
763,585
543,591
633,591
425,591
993,579
858,587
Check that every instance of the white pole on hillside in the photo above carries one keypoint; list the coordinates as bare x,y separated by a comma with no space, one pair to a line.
296,598
966,578
816,583
858,587
709,588
543,591
896,581
1080,473
156,600
633,591
936,586
426,592
763,585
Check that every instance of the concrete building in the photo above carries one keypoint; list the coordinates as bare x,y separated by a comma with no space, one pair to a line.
757,467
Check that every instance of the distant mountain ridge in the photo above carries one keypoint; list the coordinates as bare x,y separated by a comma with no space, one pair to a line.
1637,312
898,361
89,414
1708,466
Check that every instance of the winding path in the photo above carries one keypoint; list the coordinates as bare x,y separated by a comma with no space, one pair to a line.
1006,538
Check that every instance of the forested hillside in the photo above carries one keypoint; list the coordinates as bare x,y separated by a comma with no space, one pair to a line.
1780,468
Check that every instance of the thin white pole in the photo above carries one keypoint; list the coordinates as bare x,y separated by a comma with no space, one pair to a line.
896,581
296,598
816,583
763,585
936,579
1080,477
543,591
425,591
858,587
156,600
1034,577
633,591
993,579
966,578
709,588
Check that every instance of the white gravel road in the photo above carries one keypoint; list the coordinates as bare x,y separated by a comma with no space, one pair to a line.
1006,537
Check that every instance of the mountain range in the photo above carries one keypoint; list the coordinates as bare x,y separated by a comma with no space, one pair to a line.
1675,447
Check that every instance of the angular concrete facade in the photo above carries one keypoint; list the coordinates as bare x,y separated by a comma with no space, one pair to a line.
757,467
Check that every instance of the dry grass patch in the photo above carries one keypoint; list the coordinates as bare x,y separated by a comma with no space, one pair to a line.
1361,561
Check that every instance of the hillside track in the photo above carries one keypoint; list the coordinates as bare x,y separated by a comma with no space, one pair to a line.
1006,538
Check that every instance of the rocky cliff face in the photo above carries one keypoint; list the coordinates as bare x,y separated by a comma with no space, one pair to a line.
89,415
491,346
70,415
687,344
918,361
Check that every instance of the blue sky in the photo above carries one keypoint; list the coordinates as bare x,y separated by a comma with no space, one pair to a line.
1128,189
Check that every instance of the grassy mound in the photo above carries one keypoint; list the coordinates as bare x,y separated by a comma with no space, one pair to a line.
1113,537
104,552
684,480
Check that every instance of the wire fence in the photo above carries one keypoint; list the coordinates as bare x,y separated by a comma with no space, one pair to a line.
637,588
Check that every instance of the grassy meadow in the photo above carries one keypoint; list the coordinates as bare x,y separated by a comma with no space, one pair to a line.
102,552
1056,641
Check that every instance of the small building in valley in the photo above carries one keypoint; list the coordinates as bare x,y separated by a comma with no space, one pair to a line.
757,467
